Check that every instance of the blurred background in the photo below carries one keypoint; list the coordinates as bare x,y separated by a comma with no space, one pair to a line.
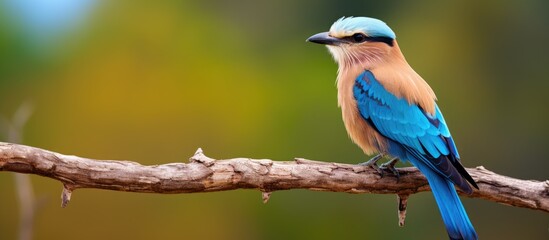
151,81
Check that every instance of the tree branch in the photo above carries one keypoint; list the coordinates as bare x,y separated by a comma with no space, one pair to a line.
28,205
204,174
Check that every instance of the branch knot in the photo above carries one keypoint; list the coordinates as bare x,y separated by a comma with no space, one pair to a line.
199,157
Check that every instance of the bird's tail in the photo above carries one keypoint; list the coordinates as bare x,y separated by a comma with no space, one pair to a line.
453,214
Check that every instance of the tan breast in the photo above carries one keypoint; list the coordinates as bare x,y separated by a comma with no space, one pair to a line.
358,129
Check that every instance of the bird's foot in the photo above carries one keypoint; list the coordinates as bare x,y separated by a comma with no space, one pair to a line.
390,166
373,163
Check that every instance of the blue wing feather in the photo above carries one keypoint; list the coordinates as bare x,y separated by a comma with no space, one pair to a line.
425,136
398,120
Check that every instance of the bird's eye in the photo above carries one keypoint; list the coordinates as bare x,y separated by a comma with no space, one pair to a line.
359,37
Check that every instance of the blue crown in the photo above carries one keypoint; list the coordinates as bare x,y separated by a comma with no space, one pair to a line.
370,26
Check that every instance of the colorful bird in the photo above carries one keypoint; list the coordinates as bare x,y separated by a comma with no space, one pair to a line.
389,109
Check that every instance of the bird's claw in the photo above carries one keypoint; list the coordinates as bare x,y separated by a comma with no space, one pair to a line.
373,164
390,166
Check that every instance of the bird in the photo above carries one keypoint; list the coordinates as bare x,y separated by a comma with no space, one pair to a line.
389,109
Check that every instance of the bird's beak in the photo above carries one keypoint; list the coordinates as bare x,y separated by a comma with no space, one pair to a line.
324,38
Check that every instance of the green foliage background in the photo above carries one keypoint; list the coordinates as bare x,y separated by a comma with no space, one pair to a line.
151,81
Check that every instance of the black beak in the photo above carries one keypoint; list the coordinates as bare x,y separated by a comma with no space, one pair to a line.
324,38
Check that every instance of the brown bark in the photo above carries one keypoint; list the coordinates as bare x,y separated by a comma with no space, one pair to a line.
204,174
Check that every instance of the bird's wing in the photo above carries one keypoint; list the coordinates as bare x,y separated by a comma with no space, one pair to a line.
421,133
400,121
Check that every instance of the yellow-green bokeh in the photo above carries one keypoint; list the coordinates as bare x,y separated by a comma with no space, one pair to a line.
152,81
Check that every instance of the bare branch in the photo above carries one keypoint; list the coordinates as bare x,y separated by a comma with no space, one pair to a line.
27,206
266,196
402,205
25,194
204,174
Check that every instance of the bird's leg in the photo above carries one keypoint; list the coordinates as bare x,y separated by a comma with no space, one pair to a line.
390,165
373,163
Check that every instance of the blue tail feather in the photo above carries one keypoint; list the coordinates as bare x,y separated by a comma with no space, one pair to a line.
453,214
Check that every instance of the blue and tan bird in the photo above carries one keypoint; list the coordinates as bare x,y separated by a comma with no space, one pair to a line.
389,109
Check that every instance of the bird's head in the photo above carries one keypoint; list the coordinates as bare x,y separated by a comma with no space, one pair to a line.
358,40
